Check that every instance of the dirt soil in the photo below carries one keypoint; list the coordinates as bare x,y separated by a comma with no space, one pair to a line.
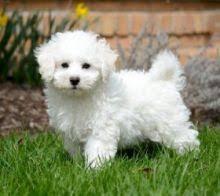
21,108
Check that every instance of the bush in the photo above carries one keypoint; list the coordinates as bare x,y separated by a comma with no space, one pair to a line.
143,49
202,92
18,39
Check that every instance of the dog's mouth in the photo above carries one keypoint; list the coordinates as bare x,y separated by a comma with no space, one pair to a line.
74,88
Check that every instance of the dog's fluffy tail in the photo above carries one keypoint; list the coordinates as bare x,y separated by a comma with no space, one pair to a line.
167,67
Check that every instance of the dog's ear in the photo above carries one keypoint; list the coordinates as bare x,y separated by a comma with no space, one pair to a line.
108,58
46,62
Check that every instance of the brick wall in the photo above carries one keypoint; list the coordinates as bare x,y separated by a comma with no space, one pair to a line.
190,25
188,30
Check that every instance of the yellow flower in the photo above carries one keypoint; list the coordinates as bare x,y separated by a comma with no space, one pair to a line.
81,10
3,19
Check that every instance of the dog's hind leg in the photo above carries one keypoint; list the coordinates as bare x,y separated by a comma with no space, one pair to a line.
180,138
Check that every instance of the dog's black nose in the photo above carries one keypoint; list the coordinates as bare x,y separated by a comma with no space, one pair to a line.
74,80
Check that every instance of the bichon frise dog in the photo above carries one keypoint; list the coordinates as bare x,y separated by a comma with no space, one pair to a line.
98,110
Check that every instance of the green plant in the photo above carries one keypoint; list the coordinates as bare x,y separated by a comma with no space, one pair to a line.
16,58
18,39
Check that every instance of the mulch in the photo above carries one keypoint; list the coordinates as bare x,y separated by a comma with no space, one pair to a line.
21,108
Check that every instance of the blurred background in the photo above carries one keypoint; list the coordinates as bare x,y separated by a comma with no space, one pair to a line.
138,30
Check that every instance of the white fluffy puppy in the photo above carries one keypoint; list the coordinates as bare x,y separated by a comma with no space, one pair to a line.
98,110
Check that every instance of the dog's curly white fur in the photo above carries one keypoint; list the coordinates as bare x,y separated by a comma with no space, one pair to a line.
105,110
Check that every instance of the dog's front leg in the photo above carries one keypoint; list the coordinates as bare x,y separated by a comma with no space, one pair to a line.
72,147
101,147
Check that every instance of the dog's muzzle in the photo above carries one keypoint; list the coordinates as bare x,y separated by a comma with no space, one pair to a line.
74,81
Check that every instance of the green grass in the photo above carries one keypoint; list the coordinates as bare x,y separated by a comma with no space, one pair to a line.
38,165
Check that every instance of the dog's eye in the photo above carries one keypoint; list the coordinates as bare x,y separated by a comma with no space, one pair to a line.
86,66
65,65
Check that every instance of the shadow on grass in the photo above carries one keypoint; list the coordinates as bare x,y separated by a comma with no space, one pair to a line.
149,149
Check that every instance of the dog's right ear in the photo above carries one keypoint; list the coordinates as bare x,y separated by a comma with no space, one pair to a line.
45,61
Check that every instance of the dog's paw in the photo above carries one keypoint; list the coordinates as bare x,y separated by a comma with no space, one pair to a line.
94,164
187,146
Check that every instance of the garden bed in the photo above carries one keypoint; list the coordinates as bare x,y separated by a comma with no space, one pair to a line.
21,107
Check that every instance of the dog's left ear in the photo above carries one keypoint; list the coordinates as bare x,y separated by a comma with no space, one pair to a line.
108,58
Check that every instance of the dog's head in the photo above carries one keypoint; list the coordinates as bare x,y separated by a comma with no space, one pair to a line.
75,60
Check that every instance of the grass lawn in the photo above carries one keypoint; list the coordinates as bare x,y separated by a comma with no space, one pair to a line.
38,165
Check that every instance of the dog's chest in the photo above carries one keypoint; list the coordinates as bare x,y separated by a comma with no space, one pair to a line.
73,118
